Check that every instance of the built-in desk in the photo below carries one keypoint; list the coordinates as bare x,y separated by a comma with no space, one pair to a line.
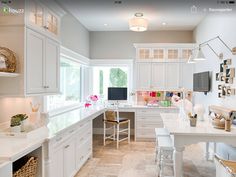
146,119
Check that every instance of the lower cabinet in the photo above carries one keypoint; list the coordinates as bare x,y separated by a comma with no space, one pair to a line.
149,119
70,150
5,169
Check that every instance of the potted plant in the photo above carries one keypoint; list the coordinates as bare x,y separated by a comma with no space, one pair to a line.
15,124
22,118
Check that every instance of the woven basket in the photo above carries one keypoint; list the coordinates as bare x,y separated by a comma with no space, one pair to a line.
29,169
7,60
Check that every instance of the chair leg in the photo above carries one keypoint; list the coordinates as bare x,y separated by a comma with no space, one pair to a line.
117,136
104,133
114,133
129,131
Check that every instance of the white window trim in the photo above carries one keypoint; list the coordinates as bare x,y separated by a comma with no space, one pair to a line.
84,62
116,63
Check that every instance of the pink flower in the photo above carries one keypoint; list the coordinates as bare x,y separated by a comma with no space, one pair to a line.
87,105
94,97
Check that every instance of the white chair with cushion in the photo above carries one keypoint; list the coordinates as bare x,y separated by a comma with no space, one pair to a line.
112,127
225,168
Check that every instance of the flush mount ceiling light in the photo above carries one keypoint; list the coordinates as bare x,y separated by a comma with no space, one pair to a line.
138,23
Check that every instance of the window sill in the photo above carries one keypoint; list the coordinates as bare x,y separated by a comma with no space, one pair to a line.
63,109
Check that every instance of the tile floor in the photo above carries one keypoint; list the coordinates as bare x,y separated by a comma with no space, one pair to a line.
137,160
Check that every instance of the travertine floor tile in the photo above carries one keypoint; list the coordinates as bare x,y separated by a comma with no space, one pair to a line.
137,159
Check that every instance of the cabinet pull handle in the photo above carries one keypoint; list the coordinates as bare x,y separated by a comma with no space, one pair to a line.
45,27
67,146
45,86
58,139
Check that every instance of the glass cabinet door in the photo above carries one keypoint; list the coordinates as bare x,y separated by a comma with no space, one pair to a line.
36,14
52,23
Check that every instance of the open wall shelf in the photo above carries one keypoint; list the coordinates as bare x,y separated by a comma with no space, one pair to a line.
6,74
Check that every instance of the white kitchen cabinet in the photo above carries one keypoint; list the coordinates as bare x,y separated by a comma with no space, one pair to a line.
42,64
172,76
35,44
149,119
143,75
158,76
187,70
69,150
69,158
52,66
57,164
39,17
5,169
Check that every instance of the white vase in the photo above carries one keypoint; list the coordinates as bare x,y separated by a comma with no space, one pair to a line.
16,129
23,126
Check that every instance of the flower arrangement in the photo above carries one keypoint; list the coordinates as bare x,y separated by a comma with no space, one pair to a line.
91,99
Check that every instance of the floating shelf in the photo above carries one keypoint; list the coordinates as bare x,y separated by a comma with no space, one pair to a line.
6,74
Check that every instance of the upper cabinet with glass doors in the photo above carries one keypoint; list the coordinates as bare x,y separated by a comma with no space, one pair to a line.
163,52
41,18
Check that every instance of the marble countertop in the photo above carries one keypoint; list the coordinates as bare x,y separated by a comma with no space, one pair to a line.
180,126
14,148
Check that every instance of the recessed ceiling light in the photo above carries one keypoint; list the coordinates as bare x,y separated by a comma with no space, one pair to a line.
105,24
164,23
117,2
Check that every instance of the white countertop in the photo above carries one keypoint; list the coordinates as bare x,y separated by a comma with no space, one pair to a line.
14,148
178,126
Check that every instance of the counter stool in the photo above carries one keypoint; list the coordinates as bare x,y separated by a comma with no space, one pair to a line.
160,132
112,118
225,168
165,153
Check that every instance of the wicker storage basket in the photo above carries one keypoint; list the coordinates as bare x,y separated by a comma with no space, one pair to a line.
29,169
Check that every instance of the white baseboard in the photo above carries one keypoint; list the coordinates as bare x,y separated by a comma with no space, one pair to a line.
99,131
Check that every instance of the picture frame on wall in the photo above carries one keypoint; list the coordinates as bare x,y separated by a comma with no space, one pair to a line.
220,95
229,80
222,78
217,76
220,87
222,67
230,91
230,72
224,91
227,62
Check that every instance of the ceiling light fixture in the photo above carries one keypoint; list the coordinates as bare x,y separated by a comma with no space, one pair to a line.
138,23
164,23
200,56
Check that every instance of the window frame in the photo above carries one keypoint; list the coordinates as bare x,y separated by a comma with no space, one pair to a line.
84,64
116,63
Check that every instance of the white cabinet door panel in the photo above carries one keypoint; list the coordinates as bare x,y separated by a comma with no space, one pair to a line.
57,162
34,62
69,159
143,75
52,66
158,76
172,76
187,76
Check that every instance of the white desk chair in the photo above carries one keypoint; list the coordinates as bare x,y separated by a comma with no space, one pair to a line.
225,168
160,132
112,118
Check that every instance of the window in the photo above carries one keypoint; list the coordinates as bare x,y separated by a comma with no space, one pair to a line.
70,85
105,77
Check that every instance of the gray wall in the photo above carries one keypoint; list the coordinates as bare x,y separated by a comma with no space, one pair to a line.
223,25
119,45
74,35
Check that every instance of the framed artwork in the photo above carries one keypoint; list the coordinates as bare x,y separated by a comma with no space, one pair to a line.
222,78
229,80
221,67
220,87
230,91
224,91
217,76
220,95
230,72
227,62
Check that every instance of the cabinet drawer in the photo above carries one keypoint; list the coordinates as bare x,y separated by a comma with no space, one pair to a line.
149,118
149,112
141,125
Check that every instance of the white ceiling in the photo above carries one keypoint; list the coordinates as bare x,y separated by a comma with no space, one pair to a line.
177,15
